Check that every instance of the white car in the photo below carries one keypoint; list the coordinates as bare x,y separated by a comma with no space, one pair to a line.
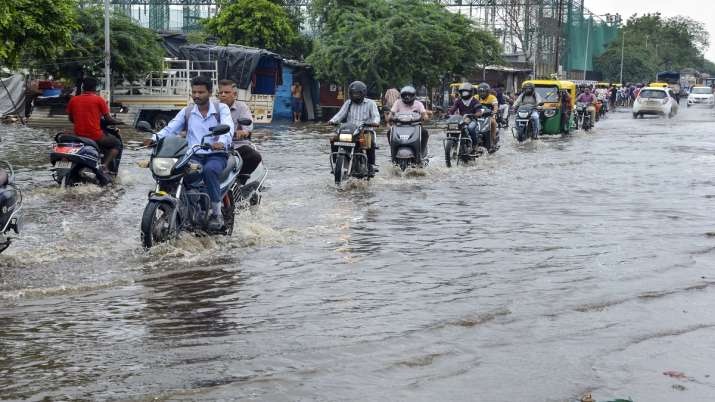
701,96
657,101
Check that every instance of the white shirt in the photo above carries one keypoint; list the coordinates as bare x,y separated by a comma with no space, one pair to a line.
199,126
365,112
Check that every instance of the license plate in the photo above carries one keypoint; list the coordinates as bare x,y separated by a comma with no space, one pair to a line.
63,165
344,144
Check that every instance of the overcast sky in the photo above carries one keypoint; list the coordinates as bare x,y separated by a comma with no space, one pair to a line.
703,11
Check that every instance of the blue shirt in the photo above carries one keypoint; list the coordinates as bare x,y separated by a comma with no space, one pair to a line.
200,126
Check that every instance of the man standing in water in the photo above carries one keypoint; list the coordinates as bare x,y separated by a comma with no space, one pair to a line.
296,99
228,94
203,115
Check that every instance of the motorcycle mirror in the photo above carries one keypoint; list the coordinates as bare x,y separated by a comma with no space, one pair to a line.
221,129
144,126
245,122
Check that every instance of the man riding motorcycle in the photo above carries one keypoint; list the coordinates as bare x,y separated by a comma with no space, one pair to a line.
86,112
589,98
228,95
488,100
359,110
204,115
466,104
530,97
408,104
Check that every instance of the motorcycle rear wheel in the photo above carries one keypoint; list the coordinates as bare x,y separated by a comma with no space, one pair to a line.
156,225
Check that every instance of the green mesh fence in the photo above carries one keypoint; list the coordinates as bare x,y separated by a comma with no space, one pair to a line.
586,38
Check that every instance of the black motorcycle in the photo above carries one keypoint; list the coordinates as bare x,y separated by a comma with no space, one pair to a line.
180,201
10,206
523,126
406,141
583,117
349,152
77,160
457,143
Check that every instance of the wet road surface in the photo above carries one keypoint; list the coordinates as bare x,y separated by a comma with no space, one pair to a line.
547,270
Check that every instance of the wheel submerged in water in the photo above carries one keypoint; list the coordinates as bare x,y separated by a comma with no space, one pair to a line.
157,226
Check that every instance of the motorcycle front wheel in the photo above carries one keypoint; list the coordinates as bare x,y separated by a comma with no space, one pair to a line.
448,153
157,226
339,162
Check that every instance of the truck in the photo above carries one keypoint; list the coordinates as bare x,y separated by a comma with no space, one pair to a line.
162,94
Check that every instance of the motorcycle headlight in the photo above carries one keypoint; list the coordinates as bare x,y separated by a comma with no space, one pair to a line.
523,115
346,138
550,113
453,126
162,166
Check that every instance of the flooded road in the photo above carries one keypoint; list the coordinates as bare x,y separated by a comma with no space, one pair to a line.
545,271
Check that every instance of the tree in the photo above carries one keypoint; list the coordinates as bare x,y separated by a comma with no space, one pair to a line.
34,29
257,23
135,50
395,42
654,43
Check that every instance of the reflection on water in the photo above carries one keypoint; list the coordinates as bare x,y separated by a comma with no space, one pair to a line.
549,269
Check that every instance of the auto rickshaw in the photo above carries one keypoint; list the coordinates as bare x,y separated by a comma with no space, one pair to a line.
553,121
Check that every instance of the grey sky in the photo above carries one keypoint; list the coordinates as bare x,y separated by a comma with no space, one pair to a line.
703,11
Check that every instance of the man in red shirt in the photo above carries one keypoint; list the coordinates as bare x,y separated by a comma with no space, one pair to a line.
85,111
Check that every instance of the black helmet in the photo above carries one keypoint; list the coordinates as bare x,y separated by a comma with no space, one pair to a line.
528,87
408,94
466,91
483,90
357,91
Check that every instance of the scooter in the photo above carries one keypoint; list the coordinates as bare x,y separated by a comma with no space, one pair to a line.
180,201
77,160
349,152
10,206
406,141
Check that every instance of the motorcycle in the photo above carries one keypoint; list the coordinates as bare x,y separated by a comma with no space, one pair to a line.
349,157
523,127
180,201
77,160
10,207
583,117
406,141
457,143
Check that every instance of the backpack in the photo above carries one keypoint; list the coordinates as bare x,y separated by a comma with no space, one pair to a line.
187,114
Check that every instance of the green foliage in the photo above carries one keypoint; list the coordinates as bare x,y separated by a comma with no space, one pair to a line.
257,23
394,42
135,50
654,43
34,28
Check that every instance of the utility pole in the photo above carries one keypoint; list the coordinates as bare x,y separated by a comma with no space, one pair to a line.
623,47
585,57
107,54
558,36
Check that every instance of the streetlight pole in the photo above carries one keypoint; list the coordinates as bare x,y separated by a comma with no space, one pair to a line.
107,54
623,47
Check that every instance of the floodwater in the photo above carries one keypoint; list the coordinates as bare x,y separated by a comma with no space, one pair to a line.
545,271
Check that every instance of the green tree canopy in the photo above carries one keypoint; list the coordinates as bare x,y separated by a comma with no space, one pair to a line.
34,29
257,23
654,43
394,42
135,50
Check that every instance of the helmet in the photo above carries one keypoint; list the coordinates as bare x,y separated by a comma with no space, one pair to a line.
466,91
357,91
483,90
528,88
408,94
